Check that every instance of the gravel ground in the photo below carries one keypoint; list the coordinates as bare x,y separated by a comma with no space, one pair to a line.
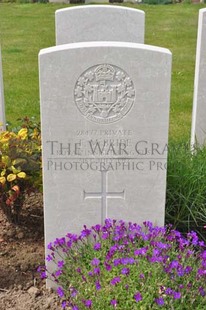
21,252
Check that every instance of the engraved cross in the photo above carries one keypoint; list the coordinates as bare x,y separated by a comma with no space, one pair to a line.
104,195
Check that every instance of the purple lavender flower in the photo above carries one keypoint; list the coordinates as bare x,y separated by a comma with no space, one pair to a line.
127,260
201,272
60,292
193,236
88,303
109,223
155,259
107,266
148,224
73,292
113,302
96,271
105,235
162,245
201,244
188,269
115,280
117,262
59,241
50,246
69,244
125,271
127,242
58,273
60,264
203,255
64,304
85,232
74,238
40,268
96,228
138,297
189,253
189,285
180,271
202,291
49,258
159,301
97,246
174,264
95,262
141,276
176,295
168,291
141,251
43,275
98,285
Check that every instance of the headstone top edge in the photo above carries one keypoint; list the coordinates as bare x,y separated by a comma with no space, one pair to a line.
100,6
71,46
202,11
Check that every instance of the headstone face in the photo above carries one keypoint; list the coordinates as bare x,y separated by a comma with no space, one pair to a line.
105,130
99,23
199,102
2,109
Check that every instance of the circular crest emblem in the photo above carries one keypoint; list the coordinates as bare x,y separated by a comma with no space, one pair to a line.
104,93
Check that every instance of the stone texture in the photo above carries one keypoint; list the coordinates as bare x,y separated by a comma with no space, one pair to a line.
104,116
99,23
198,134
34,291
2,108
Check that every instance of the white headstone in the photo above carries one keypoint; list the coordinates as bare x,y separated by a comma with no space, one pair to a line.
59,1
99,23
2,109
198,134
96,1
104,116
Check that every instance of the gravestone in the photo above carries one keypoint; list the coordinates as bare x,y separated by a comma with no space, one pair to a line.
96,1
104,116
198,134
2,109
99,23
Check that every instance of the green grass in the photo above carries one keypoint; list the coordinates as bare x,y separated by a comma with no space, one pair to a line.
27,28
186,189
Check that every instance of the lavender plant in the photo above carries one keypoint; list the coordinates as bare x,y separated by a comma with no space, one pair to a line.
127,266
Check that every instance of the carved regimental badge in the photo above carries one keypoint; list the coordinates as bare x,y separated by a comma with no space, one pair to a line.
104,93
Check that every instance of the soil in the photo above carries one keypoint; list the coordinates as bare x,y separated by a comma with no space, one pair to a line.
21,252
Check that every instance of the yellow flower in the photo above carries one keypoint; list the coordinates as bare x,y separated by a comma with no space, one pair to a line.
5,136
14,170
3,172
21,175
23,133
6,160
35,134
11,177
2,180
